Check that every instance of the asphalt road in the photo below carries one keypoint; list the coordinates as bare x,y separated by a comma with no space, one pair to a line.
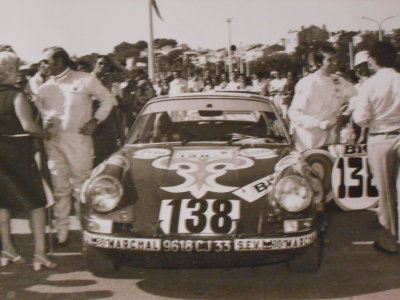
351,270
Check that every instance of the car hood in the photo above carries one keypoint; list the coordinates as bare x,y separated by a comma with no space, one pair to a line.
200,171
197,172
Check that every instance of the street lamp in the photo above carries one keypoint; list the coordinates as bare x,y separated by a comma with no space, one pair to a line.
229,45
379,23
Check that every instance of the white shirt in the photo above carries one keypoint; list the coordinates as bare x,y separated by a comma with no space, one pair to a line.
277,85
378,102
232,85
178,86
259,86
195,85
317,98
68,98
157,88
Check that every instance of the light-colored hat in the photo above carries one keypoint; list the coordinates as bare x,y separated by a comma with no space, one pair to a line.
360,57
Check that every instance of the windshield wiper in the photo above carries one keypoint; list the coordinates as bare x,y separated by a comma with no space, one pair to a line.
236,137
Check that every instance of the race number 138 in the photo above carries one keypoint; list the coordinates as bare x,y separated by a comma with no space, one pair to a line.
352,179
202,217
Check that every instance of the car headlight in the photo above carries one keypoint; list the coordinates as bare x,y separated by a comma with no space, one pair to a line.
293,193
104,193
290,159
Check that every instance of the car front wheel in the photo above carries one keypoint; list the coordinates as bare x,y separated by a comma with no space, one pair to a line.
309,261
99,261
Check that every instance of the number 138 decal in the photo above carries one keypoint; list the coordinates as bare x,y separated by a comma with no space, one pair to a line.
353,184
198,216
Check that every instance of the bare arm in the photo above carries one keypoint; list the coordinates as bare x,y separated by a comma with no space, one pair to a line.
24,113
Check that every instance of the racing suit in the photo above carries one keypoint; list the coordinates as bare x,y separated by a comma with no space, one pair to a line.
65,101
317,99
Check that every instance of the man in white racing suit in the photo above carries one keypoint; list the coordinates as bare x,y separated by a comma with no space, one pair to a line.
65,102
317,103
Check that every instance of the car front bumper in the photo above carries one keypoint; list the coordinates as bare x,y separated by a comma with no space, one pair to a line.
198,244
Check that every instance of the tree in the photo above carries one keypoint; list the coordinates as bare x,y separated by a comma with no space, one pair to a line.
159,43
277,61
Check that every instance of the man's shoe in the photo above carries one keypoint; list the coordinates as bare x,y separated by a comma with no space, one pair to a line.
378,246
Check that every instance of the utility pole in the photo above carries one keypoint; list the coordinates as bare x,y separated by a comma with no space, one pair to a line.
230,69
351,55
150,53
379,23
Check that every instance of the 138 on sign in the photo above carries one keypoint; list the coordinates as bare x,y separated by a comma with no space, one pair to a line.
353,184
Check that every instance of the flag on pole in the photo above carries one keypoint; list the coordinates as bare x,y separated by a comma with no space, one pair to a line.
154,5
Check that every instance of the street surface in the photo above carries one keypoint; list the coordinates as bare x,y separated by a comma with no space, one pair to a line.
351,270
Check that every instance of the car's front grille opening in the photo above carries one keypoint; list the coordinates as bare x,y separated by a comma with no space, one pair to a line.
122,228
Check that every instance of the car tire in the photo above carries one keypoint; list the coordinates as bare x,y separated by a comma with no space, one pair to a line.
310,260
322,165
99,261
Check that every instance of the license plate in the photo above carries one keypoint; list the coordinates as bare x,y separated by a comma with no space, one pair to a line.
197,245
199,217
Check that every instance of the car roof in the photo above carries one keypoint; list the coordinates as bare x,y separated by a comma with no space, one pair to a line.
215,94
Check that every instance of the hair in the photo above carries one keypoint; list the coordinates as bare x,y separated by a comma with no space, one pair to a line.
350,76
60,53
362,69
317,55
85,65
8,66
384,53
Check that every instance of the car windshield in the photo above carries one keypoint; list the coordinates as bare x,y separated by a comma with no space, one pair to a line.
185,121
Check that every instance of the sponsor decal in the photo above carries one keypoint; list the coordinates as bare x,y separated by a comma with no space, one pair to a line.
348,150
138,244
151,153
201,169
256,189
274,243
259,153
355,150
205,153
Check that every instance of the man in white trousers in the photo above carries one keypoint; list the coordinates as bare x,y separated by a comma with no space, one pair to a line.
65,103
377,106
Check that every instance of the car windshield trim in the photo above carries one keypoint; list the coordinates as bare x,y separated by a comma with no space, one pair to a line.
252,121
207,104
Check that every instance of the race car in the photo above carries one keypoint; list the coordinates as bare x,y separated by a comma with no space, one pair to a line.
204,179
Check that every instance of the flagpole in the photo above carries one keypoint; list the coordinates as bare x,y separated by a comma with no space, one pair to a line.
150,54
229,45
351,55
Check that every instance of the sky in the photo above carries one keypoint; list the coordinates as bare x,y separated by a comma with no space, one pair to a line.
88,26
